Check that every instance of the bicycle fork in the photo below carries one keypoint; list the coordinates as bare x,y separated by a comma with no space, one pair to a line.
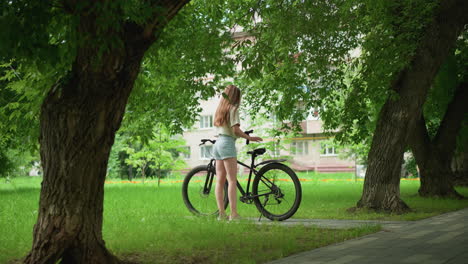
209,178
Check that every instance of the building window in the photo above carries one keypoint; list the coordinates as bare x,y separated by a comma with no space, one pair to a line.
206,121
300,148
328,150
186,152
205,152
275,150
313,115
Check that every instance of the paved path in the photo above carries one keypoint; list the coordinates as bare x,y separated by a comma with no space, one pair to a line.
339,224
435,240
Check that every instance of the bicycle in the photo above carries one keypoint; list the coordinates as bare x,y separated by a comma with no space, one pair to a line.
276,190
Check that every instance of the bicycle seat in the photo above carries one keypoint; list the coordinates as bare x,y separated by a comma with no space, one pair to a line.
258,151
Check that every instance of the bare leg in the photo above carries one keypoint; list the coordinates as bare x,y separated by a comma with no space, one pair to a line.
219,188
230,165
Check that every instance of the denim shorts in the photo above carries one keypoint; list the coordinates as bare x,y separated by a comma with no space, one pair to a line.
225,147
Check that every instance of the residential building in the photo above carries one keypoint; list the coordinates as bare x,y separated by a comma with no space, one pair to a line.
306,152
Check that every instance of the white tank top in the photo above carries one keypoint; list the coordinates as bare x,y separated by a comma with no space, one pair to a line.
226,129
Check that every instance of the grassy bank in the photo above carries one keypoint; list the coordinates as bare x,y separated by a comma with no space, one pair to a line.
150,224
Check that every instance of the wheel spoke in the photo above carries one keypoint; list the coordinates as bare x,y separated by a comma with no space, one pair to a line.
278,191
203,203
195,198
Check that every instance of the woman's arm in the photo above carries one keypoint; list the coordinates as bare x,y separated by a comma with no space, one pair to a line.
240,133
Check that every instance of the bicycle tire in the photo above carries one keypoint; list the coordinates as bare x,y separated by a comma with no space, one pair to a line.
284,203
192,192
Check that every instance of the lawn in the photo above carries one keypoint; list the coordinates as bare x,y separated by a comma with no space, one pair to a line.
149,224
329,195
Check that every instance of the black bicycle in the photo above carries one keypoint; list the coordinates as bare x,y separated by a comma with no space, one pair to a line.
276,190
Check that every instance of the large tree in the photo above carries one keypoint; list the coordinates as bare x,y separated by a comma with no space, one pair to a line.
398,116
443,127
437,133
82,110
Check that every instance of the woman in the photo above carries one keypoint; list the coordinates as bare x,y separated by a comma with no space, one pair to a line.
227,125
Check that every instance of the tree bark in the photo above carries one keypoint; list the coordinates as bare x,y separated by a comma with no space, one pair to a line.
434,157
397,117
460,167
130,172
79,119
435,174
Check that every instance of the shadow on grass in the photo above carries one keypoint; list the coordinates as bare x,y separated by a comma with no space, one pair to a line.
20,190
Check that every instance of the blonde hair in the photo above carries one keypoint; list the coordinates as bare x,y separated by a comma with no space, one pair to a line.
233,100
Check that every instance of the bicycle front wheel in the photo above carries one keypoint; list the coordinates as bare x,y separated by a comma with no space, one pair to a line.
198,191
277,191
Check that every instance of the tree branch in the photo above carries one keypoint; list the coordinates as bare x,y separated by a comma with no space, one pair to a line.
160,19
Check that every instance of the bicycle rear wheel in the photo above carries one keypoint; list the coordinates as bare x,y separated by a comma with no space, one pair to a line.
278,191
201,200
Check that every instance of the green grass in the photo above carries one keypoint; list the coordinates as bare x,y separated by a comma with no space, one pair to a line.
329,195
150,224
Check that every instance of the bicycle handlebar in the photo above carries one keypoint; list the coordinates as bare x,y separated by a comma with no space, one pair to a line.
248,132
207,140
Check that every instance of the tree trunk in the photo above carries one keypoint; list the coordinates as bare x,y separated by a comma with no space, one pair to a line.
143,173
460,167
382,181
130,172
434,157
437,180
159,174
77,133
435,174
79,118
396,119
447,139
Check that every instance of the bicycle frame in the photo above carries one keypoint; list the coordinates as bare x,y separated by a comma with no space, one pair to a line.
246,196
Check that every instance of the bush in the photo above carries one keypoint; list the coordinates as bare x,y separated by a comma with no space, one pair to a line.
410,166
6,165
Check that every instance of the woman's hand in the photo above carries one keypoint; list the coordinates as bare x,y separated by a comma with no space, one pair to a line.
255,139
240,133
